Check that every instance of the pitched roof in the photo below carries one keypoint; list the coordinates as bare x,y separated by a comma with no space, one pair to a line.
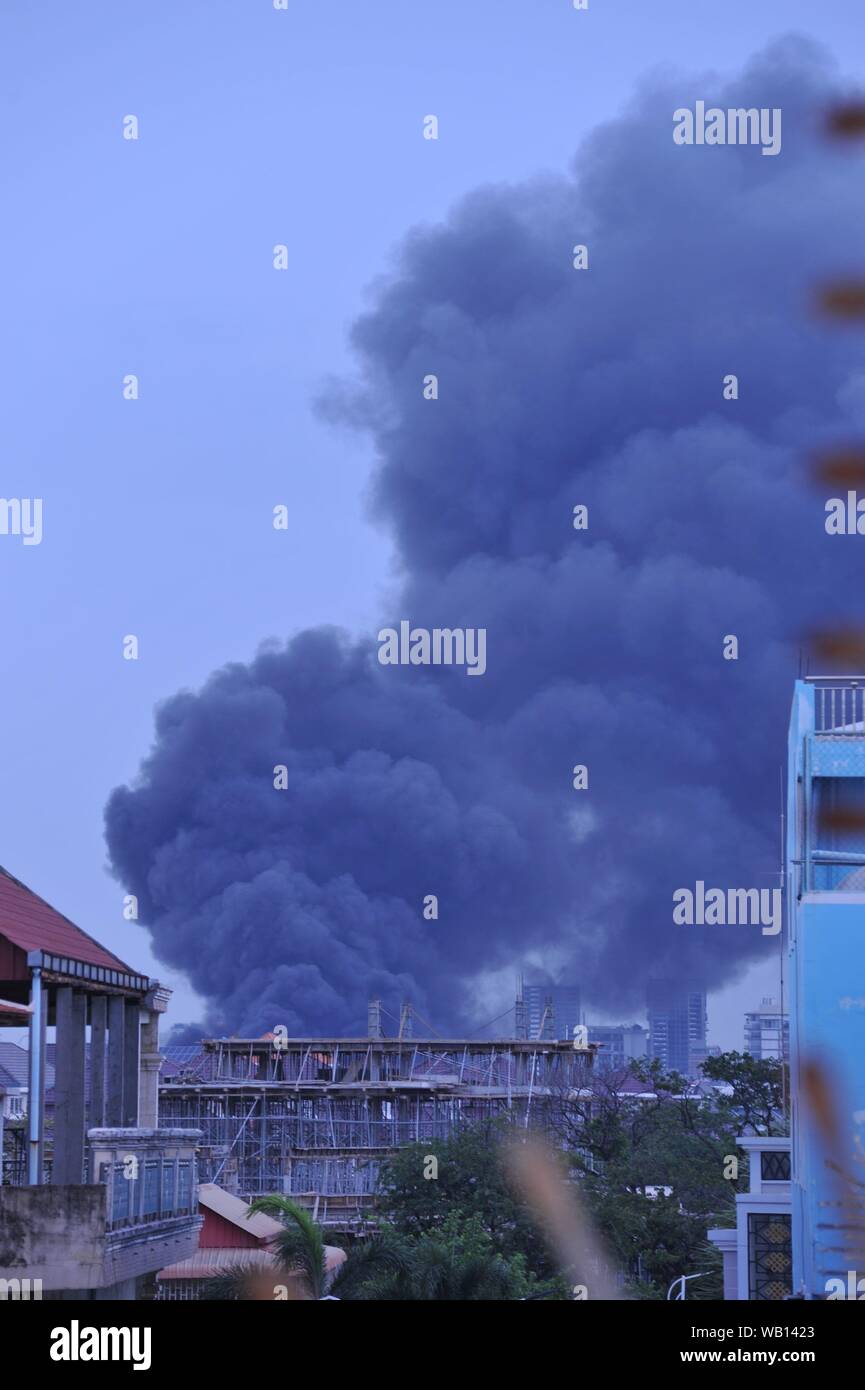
8,1082
33,925
15,1013
208,1264
233,1209
186,1061
16,1060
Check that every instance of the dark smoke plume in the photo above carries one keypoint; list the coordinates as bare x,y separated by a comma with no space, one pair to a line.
604,647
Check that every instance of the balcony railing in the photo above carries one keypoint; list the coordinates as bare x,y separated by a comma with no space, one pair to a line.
839,710
150,1175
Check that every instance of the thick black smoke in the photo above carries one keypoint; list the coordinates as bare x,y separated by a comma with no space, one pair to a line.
604,647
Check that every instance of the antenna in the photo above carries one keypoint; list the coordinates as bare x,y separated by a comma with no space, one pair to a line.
521,1012
783,882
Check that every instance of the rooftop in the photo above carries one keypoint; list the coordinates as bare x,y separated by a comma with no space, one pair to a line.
32,924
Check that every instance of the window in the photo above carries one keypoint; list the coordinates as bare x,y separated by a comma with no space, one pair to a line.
184,1185
123,1194
775,1167
150,1200
838,835
770,1257
167,1185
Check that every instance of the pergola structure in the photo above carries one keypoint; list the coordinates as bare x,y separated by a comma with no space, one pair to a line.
105,1198
53,974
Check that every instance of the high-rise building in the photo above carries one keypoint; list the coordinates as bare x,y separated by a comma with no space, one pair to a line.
825,874
546,1011
620,1043
677,1023
767,1032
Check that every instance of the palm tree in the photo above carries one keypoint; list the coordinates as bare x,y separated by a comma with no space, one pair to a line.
299,1247
371,1268
299,1253
443,1275
237,1284
428,1272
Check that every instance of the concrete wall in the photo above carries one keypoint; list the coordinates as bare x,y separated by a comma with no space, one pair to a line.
56,1234
830,1029
827,1011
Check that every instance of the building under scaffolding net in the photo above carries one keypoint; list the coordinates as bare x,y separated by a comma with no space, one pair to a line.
315,1118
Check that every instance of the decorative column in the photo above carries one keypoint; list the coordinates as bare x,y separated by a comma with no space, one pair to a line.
131,1047
155,1002
98,1033
71,1021
114,1088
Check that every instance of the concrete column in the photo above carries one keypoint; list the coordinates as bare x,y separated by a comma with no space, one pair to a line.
148,1101
131,1049
155,1003
98,1030
71,1020
114,1078
36,1080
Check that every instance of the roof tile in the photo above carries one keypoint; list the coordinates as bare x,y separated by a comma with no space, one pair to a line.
33,925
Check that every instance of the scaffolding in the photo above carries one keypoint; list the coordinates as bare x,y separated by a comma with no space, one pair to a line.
315,1118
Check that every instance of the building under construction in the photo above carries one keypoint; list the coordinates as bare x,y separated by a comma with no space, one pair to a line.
314,1118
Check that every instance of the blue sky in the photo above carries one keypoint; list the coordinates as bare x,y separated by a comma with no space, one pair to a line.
154,257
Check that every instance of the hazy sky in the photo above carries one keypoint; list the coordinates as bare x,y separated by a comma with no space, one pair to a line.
154,257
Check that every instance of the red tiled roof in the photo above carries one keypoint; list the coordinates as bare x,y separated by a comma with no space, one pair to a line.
16,1012
33,925
234,1210
209,1264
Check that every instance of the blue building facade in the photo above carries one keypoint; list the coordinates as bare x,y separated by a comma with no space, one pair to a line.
825,854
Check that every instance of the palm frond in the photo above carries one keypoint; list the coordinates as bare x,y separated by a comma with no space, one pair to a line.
300,1247
232,1286
373,1264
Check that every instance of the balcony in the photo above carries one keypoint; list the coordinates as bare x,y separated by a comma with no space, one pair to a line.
138,1214
839,709
110,1197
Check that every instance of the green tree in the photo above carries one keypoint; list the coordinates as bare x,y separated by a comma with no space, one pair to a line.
455,1262
673,1140
470,1183
758,1091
